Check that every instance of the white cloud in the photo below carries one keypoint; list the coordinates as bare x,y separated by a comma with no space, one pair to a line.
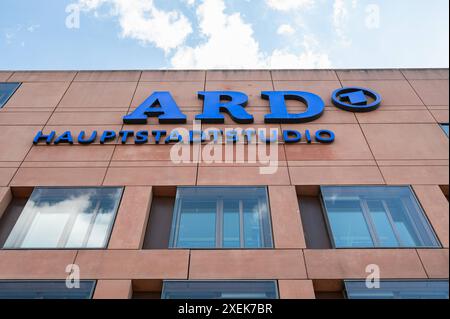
285,29
286,5
230,44
226,40
310,58
340,18
33,27
143,21
229,41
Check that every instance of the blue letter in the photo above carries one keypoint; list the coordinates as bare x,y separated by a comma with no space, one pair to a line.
273,138
329,136
40,136
158,135
125,135
231,136
174,137
107,136
248,135
199,139
314,104
66,137
160,104
91,139
141,137
292,136
215,134
213,105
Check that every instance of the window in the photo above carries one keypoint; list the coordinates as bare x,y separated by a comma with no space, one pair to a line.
445,128
421,289
6,91
376,216
220,217
12,289
220,290
66,218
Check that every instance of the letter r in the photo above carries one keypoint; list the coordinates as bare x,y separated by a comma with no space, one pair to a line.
232,103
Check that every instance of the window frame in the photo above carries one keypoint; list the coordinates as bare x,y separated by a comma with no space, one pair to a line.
347,281
442,125
109,230
221,281
10,94
370,225
219,221
50,281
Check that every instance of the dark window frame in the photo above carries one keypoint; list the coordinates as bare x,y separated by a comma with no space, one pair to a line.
89,295
10,92
442,125
109,231
349,282
266,230
216,283
370,225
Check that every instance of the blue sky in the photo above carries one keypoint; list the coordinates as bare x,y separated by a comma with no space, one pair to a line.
190,34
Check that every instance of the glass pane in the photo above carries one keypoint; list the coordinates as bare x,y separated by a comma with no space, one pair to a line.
211,217
100,230
384,230
252,224
231,224
219,290
445,128
45,230
403,223
347,222
392,212
197,224
66,218
79,230
45,290
422,289
6,91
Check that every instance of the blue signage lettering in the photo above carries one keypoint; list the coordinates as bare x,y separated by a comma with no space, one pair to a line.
355,99
41,136
325,136
280,115
291,136
141,137
125,135
163,106
234,106
174,137
308,137
158,135
160,104
66,137
195,137
90,140
249,134
107,136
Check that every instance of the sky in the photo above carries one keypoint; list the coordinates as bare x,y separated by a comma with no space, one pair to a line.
223,34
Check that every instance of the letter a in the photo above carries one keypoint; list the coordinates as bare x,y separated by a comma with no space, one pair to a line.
159,104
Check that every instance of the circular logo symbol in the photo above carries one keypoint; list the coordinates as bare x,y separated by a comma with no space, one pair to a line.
356,99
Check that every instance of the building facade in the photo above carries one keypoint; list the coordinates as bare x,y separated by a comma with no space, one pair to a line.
366,199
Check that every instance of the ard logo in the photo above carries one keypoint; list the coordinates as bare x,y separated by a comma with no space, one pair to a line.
163,106
215,103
